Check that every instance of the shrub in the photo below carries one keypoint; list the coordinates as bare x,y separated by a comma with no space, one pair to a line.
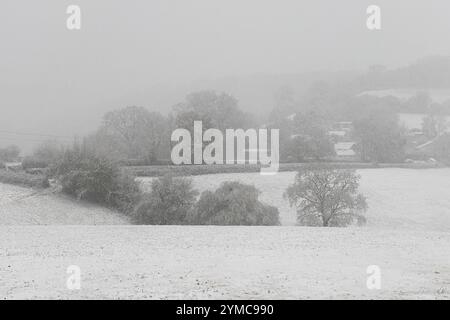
169,202
441,148
233,203
96,179
126,193
380,137
9,154
44,155
23,179
92,181
34,163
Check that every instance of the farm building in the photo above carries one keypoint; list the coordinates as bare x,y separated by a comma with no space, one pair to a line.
13,166
346,151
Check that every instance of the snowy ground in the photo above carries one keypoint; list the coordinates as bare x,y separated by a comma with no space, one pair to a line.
160,262
397,198
24,206
408,237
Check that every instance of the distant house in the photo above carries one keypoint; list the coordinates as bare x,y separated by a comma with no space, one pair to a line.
346,126
341,131
415,133
337,133
344,144
418,145
291,117
341,135
428,147
13,166
345,151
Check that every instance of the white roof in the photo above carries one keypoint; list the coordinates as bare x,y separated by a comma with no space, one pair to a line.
344,148
344,145
345,153
12,164
340,133
291,117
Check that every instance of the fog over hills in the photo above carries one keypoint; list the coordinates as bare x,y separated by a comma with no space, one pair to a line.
58,83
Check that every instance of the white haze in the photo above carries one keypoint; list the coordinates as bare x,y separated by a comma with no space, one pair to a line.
151,53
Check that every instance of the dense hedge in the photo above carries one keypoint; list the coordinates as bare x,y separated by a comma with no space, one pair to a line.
88,177
34,163
194,170
24,179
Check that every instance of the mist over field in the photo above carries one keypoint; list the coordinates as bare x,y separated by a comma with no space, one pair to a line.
58,83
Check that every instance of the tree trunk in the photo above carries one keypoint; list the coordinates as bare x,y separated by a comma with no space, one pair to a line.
325,221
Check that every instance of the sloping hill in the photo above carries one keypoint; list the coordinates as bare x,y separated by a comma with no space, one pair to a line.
23,206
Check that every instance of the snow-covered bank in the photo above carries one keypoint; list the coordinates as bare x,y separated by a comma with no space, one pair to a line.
26,206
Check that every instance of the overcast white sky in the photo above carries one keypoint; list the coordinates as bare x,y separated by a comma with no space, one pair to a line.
59,82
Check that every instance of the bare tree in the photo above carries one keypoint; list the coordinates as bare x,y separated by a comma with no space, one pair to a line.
139,131
219,111
380,137
327,196
10,153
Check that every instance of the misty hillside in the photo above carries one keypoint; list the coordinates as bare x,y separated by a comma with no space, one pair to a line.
426,73
255,93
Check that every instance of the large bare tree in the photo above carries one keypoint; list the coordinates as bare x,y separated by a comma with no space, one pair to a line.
137,131
327,196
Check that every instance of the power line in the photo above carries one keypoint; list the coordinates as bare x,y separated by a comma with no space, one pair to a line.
48,136
9,140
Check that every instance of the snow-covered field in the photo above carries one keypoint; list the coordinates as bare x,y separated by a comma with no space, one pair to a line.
397,198
407,236
158,262
24,206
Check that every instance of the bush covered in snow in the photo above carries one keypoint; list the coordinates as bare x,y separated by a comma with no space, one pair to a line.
23,179
96,179
170,202
233,203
